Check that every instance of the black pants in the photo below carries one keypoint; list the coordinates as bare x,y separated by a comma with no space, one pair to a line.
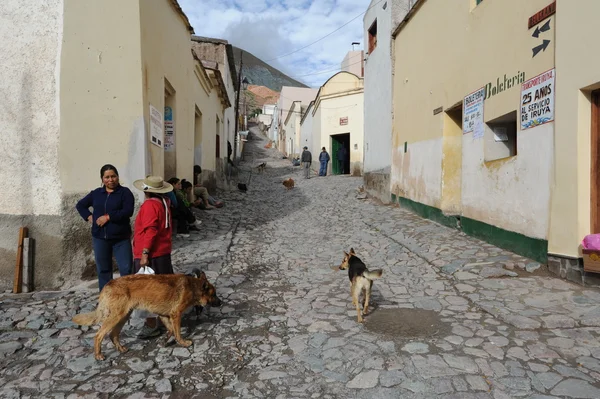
160,265
184,216
342,164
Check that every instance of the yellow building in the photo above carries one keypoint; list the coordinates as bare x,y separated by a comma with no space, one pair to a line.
338,121
116,82
492,119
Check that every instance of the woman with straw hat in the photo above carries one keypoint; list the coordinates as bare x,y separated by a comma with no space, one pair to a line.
152,236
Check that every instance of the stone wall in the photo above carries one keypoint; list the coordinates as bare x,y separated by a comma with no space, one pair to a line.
377,184
572,269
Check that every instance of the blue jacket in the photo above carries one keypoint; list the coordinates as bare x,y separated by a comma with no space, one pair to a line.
324,156
119,207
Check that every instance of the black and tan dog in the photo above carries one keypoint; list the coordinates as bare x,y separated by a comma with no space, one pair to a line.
261,168
167,295
361,280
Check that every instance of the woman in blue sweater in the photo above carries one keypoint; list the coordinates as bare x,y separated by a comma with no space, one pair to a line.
112,207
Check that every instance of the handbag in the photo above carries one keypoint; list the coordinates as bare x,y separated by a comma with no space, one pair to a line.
145,270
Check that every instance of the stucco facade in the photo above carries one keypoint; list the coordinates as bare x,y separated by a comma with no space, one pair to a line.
378,95
221,52
571,210
338,112
30,114
354,62
484,180
287,96
77,100
306,127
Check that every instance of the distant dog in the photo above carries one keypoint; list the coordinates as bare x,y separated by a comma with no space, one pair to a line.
289,183
261,168
361,279
167,295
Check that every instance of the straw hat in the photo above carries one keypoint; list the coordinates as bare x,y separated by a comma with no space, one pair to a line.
153,184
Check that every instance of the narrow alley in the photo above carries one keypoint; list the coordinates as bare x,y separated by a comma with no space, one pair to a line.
452,317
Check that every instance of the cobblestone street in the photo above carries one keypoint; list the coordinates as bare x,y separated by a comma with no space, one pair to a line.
452,317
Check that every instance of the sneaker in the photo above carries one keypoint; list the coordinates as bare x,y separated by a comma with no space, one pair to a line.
149,332
198,223
183,236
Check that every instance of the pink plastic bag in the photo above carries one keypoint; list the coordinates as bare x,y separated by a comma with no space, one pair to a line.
591,241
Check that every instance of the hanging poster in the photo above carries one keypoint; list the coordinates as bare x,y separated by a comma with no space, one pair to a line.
169,130
473,113
537,100
156,127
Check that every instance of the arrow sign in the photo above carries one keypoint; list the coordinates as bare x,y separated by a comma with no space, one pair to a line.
544,28
541,47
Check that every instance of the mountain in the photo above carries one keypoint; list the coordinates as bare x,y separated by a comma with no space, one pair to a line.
260,73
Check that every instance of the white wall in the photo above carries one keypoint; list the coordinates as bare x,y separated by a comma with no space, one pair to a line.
306,131
378,91
512,194
29,111
268,109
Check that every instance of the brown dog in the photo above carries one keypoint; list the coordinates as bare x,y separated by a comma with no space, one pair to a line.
289,183
361,279
167,295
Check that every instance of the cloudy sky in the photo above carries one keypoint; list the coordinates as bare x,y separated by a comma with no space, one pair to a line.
272,28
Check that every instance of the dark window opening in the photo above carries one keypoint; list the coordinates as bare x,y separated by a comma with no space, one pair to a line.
501,137
373,37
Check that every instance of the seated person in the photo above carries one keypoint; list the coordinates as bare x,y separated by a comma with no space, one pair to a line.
185,219
200,192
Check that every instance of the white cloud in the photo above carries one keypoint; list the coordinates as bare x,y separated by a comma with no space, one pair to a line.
271,28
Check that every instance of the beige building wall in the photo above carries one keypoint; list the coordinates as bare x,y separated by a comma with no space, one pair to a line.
577,75
101,105
342,96
83,101
167,66
354,63
480,45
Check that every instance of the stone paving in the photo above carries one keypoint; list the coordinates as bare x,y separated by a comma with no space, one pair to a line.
452,317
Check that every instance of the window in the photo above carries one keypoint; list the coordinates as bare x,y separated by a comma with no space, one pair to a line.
373,37
501,137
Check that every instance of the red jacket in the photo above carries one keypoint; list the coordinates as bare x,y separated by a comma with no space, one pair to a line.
152,229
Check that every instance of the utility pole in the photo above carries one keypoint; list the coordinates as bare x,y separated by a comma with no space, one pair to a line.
237,106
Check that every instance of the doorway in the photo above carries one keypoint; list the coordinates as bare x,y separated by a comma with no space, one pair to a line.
198,137
170,121
595,164
339,141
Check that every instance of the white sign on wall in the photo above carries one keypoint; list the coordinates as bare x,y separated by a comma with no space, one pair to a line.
169,130
156,127
537,100
473,113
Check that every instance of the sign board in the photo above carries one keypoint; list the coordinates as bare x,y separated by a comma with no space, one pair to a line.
537,100
169,130
156,127
343,120
541,15
473,113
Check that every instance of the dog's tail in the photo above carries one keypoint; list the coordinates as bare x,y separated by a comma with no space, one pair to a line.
86,319
373,274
